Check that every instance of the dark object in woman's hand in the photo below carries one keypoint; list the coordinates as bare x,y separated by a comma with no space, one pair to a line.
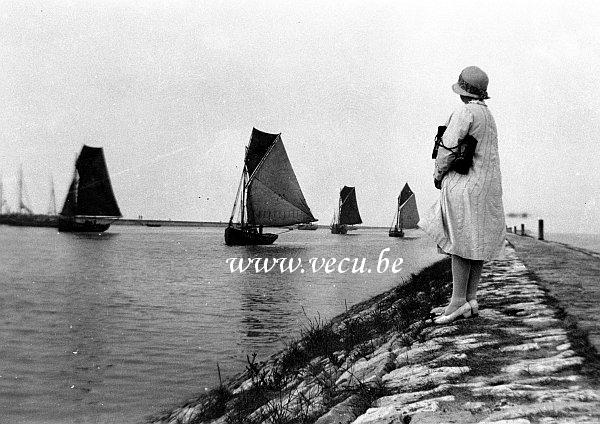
463,154
437,184
438,141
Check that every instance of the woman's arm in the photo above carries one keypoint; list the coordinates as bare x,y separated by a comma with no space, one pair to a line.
458,128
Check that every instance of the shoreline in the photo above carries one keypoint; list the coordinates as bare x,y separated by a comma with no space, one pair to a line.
218,224
547,367
43,220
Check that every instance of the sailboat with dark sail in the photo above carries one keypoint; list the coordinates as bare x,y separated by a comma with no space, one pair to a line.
90,205
407,215
268,194
347,213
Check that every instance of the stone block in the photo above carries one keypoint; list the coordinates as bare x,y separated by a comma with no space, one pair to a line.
396,413
413,377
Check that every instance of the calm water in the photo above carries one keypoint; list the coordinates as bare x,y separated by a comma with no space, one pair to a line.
110,328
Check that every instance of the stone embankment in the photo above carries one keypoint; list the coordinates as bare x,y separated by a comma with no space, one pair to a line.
518,362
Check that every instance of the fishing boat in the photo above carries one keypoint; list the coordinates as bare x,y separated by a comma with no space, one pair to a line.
90,205
407,215
24,216
268,194
347,214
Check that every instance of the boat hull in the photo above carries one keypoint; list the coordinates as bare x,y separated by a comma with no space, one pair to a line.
245,237
396,233
310,227
339,229
82,225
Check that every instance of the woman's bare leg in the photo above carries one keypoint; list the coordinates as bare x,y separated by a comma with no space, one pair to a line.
474,277
461,269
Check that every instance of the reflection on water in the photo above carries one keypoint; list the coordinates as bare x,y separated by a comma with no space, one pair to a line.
116,326
266,310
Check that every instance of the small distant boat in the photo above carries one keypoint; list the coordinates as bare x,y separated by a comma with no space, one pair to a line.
407,215
90,205
153,224
308,226
347,214
269,193
517,215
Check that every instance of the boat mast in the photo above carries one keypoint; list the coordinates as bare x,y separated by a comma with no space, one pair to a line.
244,172
400,219
20,189
237,196
52,204
340,203
22,207
398,215
1,197
243,203
400,206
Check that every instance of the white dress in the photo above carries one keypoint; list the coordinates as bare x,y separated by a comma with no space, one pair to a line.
468,219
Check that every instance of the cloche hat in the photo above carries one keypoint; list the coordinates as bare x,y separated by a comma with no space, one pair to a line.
472,82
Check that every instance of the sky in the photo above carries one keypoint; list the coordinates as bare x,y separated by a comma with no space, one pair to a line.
172,89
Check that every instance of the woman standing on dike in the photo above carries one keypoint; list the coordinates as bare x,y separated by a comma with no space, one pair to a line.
467,222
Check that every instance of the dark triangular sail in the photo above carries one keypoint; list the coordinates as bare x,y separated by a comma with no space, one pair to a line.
274,197
91,192
349,214
407,208
260,142
404,195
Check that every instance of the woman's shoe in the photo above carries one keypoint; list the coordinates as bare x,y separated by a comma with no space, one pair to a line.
474,307
464,310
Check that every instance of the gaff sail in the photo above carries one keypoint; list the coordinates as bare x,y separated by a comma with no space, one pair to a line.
348,214
90,192
273,194
407,208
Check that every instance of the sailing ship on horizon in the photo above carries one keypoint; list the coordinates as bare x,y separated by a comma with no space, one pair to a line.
347,214
23,215
269,194
90,205
407,215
